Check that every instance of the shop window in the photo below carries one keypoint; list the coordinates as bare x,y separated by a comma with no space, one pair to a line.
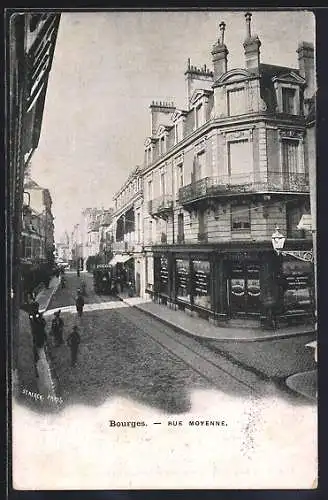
182,280
240,218
164,275
201,283
288,100
297,286
236,102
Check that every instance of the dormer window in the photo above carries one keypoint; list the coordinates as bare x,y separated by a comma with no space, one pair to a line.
162,145
236,101
289,100
199,116
177,133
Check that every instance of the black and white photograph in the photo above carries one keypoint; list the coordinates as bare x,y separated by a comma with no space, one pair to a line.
162,249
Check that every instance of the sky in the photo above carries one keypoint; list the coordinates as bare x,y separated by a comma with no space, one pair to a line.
108,67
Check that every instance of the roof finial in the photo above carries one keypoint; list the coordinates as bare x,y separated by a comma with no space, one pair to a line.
222,26
248,17
188,63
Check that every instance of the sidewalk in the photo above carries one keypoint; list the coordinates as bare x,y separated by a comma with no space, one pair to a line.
197,327
43,383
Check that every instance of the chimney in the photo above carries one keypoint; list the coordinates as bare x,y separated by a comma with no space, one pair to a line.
160,113
305,53
197,78
220,54
252,46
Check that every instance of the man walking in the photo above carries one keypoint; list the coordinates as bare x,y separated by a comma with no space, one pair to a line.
73,341
57,327
79,303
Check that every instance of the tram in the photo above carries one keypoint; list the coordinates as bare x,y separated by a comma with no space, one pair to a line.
103,279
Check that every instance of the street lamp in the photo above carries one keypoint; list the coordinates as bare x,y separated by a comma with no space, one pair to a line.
278,240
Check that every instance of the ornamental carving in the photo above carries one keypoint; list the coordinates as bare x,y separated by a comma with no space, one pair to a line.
200,146
291,133
178,159
237,134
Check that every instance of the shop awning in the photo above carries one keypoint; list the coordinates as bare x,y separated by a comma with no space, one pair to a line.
119,258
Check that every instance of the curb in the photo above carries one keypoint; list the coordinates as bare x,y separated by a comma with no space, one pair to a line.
178,328
54,382
54,290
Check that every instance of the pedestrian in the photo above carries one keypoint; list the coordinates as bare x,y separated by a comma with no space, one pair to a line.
73,341
33,305
79,302
57,328
38,325
78,272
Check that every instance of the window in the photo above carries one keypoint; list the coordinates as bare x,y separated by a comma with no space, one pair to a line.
199,116
239,161
202,225
180,228
236,102
288,101
138,228
290,156
177,133
150,190
293,215
179,174
240,218
162,145
162,183
28,247
199,166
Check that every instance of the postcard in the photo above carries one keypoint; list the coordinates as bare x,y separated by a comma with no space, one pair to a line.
163,277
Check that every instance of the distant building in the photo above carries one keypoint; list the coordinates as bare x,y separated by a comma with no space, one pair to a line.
128,230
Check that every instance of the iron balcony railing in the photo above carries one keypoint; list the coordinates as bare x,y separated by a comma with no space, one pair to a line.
268,182
161,204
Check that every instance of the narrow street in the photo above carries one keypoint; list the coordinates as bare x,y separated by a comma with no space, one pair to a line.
125,352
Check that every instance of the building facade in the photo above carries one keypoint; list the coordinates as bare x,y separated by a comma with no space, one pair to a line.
219,177
127,228
37,237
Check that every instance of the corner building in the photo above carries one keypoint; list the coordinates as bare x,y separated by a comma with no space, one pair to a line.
219,177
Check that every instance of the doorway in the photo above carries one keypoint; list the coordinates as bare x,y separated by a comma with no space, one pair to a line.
243,288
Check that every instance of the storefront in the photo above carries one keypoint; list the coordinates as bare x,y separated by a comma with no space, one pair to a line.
224,284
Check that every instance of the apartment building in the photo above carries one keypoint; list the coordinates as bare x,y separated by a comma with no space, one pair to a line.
128,231
219,177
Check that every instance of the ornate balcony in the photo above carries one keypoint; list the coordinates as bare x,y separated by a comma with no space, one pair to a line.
260,182
160,206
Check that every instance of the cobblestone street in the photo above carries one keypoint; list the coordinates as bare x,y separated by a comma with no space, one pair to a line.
116,357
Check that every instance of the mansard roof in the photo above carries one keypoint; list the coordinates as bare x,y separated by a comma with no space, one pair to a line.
272,72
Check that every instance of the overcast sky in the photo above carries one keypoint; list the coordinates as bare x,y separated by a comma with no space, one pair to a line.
108,67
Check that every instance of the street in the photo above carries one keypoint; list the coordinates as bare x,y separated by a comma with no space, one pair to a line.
125,352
